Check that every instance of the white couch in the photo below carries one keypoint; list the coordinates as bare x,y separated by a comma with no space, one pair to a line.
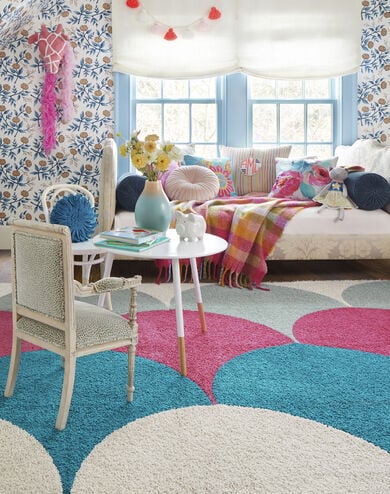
308,235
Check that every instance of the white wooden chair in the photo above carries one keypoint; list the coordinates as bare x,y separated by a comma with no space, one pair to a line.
46,314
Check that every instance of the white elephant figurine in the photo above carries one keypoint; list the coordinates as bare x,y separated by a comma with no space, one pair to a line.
190,226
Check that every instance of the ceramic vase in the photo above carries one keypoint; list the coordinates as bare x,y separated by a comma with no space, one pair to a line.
152,209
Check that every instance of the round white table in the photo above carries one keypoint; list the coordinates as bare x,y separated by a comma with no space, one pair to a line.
176,250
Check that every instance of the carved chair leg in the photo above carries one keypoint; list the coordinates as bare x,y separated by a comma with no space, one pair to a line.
130,372
132,348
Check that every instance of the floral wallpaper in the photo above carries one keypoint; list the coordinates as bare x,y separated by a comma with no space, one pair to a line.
374,76
25,170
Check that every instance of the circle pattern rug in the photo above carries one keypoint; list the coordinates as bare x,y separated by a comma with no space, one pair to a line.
215,449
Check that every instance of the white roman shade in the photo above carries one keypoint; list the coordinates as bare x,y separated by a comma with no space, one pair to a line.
278,39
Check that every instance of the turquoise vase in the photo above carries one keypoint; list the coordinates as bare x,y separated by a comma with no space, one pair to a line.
152,209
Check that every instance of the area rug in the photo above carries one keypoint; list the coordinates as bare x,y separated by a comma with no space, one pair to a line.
311,358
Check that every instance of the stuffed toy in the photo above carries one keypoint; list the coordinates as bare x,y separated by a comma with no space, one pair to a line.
335,194
56,52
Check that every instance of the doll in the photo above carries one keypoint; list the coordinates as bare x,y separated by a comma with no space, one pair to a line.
335,194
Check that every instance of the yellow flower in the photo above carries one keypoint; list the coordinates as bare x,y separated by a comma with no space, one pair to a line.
139,161
162,162
123,150
150,157
152,137
150,146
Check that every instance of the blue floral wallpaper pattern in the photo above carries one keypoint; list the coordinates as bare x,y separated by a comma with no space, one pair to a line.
24,168
374,76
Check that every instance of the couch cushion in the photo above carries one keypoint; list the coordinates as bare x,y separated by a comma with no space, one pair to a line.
222,169
128,190
192,183
264,175
369,191
301,179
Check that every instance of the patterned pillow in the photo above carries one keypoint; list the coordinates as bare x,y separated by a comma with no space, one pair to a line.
253,170
301,179
76,212
222,169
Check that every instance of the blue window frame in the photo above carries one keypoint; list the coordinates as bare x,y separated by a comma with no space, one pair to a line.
237,113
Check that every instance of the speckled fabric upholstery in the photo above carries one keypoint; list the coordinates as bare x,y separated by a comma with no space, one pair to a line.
94,325
39,274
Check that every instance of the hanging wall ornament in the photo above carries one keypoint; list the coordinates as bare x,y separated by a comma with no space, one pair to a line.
57,54
170,33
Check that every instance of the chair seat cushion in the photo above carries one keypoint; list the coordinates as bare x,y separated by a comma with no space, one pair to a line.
94,325
76,212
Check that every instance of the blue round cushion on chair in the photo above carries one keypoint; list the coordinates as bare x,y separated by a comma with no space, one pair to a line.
368,190
128,190
76,212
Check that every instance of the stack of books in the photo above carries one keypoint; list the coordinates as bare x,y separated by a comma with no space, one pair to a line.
132,238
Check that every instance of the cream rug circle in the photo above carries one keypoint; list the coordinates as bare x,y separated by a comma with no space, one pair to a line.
231,449
25,465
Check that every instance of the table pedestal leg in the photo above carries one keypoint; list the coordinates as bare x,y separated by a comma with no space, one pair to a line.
179,315
195,279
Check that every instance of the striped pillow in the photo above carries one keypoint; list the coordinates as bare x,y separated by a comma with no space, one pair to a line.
264,173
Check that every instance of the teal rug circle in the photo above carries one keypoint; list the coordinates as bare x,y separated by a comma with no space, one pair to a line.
99,404
346,389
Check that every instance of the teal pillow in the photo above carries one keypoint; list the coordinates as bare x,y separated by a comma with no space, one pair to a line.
76,212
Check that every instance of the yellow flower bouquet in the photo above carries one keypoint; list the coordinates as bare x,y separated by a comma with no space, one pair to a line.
150,157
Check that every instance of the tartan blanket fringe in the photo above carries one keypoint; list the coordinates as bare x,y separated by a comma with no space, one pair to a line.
250,225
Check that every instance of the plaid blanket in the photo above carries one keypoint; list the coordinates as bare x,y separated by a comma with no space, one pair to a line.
251,226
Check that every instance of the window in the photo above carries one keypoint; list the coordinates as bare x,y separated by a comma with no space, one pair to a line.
181,111
300,113
240,110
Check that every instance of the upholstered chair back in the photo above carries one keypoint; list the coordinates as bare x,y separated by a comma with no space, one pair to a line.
43,274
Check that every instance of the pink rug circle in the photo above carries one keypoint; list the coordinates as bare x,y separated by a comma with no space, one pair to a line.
367,330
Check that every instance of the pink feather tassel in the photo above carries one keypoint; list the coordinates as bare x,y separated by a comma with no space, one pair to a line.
49,114
67,83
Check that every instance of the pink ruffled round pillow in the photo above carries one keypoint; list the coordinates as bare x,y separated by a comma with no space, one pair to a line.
194,182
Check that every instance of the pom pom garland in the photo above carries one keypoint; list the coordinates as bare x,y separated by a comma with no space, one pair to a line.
170,33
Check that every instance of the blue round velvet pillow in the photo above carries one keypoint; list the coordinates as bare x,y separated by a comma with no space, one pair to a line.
128,190
368,190
76,212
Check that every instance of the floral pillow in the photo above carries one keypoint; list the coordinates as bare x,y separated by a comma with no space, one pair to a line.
301,179
222,169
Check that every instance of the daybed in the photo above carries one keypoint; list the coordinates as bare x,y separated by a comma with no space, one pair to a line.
309,234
